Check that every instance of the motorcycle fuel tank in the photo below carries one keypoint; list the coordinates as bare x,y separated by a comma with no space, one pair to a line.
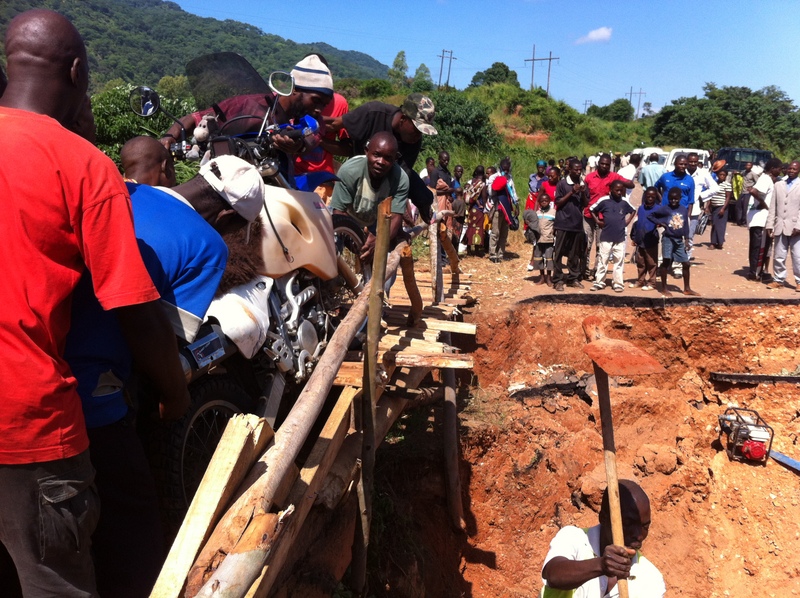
305,228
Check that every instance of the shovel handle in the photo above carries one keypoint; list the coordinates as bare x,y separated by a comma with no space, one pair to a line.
610,458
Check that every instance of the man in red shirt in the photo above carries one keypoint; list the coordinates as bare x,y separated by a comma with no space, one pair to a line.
598,184
65,209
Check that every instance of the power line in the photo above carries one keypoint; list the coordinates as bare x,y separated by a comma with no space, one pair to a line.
533,60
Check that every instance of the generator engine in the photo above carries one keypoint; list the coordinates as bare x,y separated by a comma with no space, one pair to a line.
749,438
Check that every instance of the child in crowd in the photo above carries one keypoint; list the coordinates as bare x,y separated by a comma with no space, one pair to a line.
718,209
612,214
644,235
543,250
674,219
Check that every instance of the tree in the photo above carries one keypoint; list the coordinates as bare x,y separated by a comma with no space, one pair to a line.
731,116
397,74
174,88
376,88
497,73
617,111
422,81
647,109
460,120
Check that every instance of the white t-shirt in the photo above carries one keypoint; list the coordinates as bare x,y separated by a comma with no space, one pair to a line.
576,545
756,217
591,162
628,172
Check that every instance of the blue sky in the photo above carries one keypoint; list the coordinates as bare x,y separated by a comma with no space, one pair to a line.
667,49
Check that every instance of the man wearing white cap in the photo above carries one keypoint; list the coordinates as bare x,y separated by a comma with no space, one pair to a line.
313,89
178,233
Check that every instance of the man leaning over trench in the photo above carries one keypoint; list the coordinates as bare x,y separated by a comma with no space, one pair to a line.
585,563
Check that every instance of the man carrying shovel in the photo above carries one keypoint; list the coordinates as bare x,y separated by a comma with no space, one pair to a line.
585,563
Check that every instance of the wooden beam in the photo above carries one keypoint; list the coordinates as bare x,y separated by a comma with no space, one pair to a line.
431,360
245,438
304,493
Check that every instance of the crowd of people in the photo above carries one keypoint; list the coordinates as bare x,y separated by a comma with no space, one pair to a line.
581,221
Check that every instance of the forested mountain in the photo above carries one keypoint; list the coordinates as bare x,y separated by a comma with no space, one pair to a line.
142,40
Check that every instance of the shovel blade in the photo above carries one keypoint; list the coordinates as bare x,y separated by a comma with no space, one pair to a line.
621,358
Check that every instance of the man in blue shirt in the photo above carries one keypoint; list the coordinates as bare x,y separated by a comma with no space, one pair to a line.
677,178
185,256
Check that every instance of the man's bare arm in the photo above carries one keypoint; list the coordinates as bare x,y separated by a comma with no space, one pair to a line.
155,353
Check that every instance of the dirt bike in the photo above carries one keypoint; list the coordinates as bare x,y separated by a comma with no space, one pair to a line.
261,339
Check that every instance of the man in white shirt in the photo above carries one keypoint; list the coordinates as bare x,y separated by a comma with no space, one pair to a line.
584,563
760,200
629,172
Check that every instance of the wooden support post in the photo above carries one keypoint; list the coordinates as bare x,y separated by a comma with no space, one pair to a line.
412,290
437,284
451,448
245,438
369,398
451,252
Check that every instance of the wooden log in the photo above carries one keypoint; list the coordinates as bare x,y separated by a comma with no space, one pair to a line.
410,284
232,579
368,398
452,449
436,268
447,245
244,439
305,491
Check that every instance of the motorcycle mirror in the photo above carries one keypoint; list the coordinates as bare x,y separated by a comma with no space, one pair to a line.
282,83
145,101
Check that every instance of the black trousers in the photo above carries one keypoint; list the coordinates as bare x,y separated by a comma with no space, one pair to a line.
756,232
572,245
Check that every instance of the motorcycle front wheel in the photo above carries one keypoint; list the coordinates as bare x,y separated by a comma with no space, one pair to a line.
184,449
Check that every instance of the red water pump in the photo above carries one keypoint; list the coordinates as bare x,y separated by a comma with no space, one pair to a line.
749,438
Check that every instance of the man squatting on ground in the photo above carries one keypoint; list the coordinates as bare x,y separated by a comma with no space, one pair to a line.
585,563
66,211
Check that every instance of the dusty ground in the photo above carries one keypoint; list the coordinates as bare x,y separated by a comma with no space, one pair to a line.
531,441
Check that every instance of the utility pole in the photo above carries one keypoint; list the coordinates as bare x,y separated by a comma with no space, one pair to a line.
586,105
630,96
532,60
639,102
549,64
441,66
449,64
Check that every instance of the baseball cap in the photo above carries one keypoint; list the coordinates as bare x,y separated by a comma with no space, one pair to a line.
311,74
541,163
238,182
420,110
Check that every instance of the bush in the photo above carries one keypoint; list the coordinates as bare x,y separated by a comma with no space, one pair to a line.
376,88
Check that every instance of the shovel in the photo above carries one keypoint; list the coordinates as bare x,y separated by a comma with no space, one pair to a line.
618,358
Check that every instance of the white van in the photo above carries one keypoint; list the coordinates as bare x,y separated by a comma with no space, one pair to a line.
704,156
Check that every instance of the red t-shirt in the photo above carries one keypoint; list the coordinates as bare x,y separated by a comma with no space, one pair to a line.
318,159
599,187
64,208
550,189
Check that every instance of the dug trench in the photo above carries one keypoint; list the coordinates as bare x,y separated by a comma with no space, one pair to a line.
532,455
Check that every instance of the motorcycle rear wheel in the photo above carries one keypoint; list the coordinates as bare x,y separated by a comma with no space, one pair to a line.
184,449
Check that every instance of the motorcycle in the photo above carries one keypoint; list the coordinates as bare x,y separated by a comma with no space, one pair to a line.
261,339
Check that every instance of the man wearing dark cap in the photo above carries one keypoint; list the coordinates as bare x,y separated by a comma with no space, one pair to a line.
408,123
66,212
585,563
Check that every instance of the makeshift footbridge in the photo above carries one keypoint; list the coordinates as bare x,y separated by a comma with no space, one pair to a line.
249,522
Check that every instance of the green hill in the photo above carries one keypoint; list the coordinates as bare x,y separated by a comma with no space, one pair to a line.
141,41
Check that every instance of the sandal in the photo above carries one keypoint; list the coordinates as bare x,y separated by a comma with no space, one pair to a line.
618,288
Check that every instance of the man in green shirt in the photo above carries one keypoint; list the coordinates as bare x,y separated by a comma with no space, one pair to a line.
365,181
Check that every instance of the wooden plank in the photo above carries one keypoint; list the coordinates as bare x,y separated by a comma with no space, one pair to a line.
430,360
305,490
448,326
245,438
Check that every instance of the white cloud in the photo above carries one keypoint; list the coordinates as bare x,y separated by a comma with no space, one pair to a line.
601,34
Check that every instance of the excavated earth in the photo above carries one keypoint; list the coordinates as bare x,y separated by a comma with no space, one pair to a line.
532,451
